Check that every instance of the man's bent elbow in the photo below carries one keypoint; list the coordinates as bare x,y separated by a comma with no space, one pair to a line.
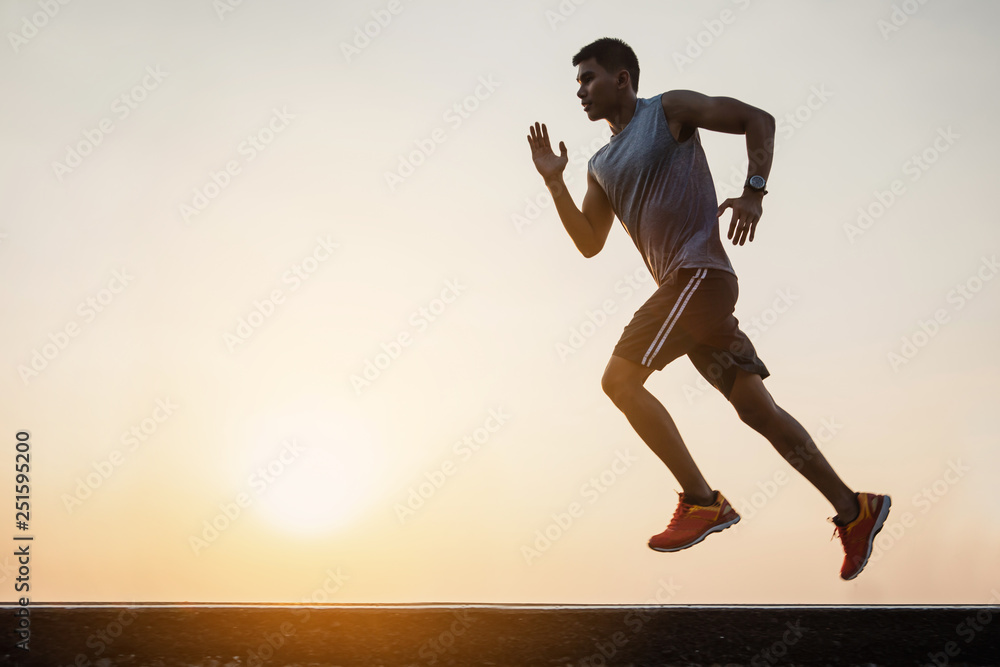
590,250
767,122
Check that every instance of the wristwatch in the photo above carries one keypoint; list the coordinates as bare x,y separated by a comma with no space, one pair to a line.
757,184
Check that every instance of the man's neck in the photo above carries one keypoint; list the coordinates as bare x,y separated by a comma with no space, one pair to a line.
623,116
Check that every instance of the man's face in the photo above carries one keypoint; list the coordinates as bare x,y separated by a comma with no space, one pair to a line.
598,89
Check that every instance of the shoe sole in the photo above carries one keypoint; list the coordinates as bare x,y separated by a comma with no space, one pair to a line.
714,529
879,522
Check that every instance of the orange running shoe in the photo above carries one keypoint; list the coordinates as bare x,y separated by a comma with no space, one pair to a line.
693,523
858,536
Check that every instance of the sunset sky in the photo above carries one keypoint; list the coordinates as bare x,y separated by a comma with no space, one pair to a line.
289,315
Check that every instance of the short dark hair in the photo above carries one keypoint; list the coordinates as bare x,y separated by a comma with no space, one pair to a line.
613,55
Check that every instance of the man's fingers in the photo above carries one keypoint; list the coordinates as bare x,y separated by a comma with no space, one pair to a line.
536,138
740,225
743,224
746,230
732,223
539,136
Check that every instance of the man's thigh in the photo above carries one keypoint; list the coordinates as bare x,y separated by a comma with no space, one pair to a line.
678,317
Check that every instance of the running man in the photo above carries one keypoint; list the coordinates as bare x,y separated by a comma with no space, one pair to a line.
653,175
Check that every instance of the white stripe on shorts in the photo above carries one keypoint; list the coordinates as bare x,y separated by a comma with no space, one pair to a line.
674,315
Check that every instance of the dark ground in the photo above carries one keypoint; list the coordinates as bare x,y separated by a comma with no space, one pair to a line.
496,635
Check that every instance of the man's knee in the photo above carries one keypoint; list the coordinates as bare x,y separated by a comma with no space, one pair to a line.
614,385
620,383
753,404
756,414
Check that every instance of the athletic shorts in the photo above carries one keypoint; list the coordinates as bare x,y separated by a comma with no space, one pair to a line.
693,315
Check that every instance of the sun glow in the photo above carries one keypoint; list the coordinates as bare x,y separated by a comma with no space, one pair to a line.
313,470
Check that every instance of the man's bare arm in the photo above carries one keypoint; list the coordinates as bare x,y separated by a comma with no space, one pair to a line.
588,228
686,110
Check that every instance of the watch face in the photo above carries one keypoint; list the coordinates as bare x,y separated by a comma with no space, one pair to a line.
757,182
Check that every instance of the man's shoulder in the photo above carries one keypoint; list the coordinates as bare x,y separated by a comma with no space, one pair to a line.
679,101
678,96
648,102
596,158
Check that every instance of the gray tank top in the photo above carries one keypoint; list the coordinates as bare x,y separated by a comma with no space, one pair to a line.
662,191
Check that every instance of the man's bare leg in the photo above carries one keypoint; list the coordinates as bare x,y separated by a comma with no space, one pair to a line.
758,410
623,382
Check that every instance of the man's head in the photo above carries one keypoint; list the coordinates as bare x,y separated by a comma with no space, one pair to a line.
608,73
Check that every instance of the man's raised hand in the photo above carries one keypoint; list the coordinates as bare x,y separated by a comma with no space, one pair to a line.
548,164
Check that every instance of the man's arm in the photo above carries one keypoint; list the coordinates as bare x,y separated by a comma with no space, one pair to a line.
588,228
686,110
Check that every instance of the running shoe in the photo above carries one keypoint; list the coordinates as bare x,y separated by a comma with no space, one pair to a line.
859,535
693,523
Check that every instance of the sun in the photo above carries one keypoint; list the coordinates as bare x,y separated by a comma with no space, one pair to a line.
311,471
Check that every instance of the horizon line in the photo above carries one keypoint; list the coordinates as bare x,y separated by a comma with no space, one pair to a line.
472,605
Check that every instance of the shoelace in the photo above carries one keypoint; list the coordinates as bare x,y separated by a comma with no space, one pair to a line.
837,529
679,513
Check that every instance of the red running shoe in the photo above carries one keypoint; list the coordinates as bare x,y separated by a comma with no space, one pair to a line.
693,523
858,536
